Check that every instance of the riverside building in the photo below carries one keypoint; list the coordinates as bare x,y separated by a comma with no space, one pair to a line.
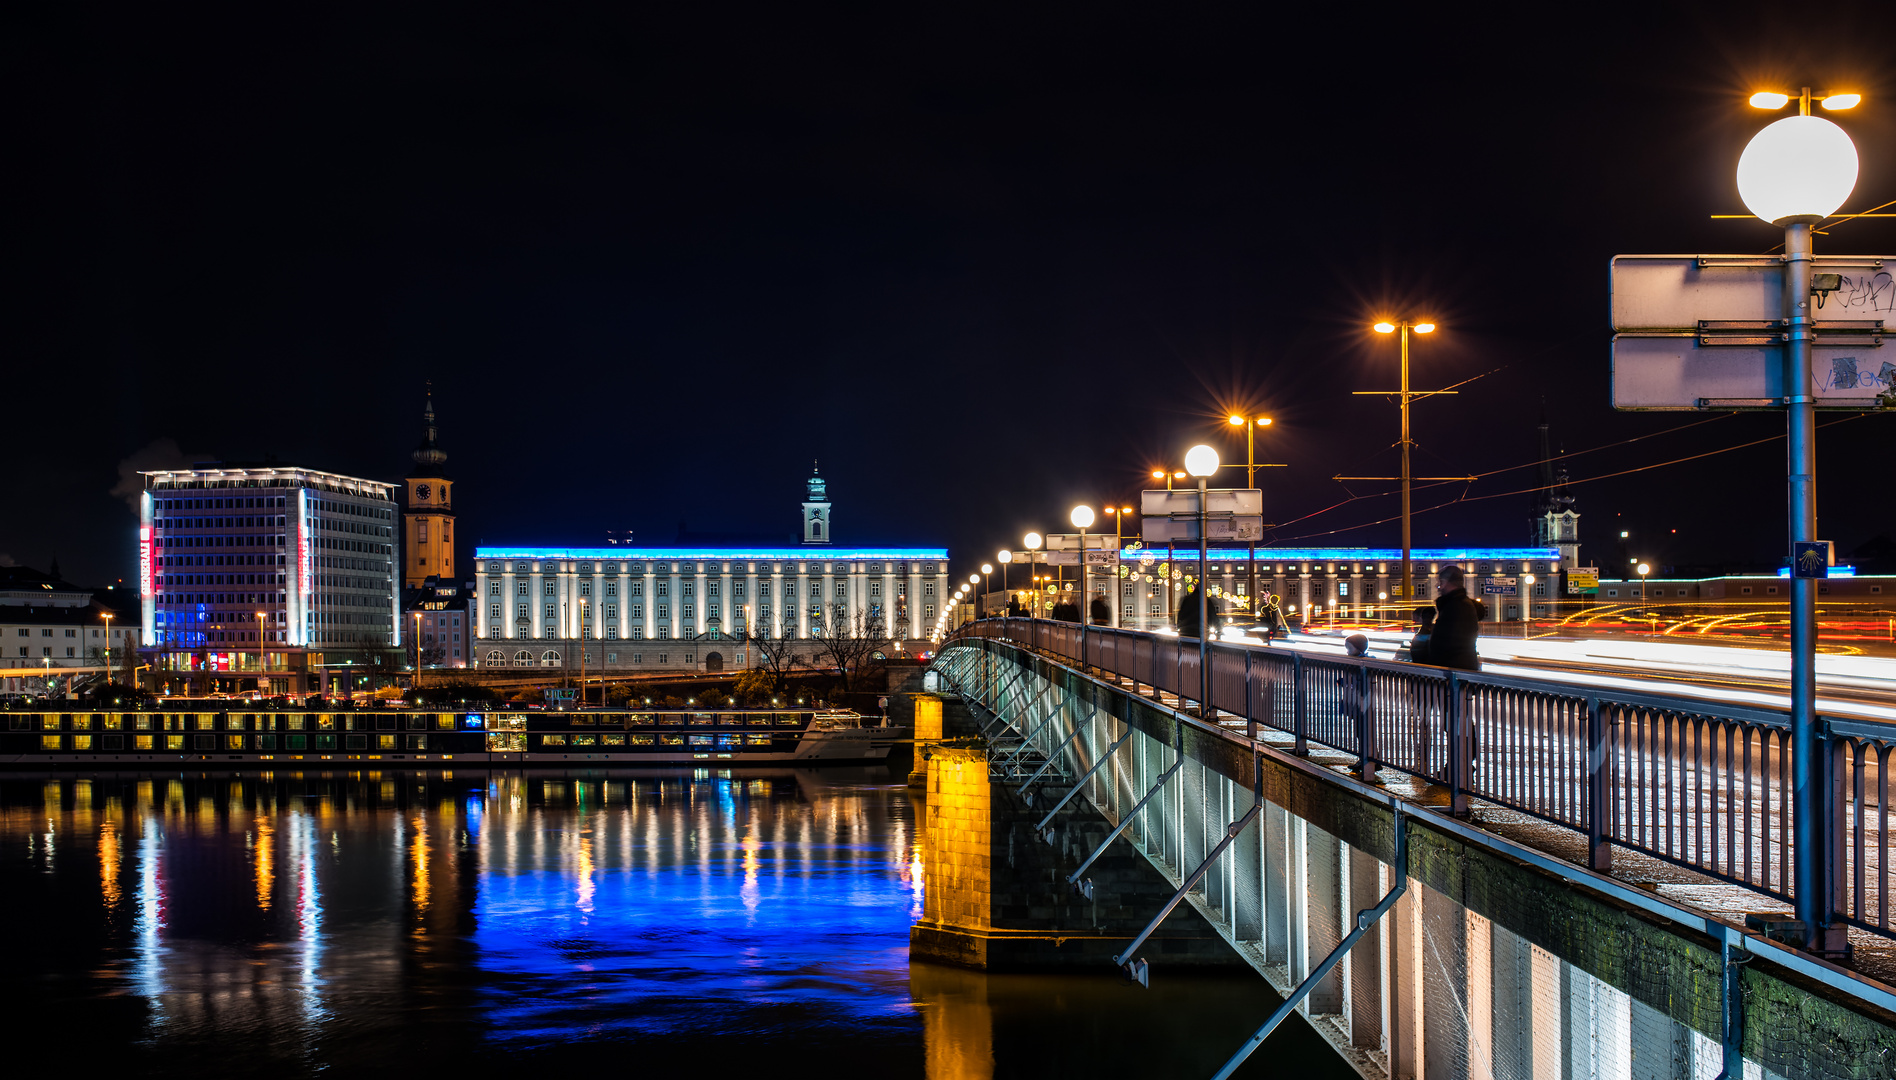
264,577
691,606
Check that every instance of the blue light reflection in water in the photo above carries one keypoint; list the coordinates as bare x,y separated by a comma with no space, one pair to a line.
682,904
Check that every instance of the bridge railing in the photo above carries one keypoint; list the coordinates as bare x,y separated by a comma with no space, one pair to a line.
1705,785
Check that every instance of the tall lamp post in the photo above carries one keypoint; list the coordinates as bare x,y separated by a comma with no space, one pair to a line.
1169,475
1250,424
1119,544
1004,557
1202,461
1082,518
107,616
1527,603
1795,173
986,569
1407,586
1032,542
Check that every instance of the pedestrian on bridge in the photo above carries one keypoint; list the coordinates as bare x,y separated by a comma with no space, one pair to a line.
1188,614
1458,619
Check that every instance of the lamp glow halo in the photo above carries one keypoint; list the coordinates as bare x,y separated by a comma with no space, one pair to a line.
1800,168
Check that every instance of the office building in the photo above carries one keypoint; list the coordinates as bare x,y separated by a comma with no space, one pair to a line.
266,576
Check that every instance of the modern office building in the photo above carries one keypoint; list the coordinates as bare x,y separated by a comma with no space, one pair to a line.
689,606
266,576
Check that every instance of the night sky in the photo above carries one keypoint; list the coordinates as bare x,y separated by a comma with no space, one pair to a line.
982,264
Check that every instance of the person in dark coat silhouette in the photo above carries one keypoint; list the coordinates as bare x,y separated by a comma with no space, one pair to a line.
1458,619
1188,614
1419,644
1099,612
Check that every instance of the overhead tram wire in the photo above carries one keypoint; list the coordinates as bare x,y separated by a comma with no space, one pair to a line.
1544,487
1511,468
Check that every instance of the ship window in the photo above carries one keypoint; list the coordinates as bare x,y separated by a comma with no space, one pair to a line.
552,740
585,740
703,740
757,740
669,739
640,740
50,742
612,740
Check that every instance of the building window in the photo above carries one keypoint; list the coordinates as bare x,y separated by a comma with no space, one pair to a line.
686,588
875,588
664,632
664,611
1157,611
612,611
711,588
664,588
816,590
763,589
928,611
493,611
928,588
612,633
493,588
550,613
1746,590
585,588
612,588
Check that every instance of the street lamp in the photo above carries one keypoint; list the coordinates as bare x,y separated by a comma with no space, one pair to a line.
1032,542
986,569
1082,518
1527,599
1795,173
1201,461
1250,425
107,616
1004,557
1642,570
418,648
1119,542
1407,586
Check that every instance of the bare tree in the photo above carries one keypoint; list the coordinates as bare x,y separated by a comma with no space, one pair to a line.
777,657
850,644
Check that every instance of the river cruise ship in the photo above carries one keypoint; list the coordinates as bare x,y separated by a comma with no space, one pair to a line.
215,734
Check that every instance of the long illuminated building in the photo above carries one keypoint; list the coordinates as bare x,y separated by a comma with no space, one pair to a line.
265,573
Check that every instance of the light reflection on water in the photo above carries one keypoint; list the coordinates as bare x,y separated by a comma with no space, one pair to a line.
306,923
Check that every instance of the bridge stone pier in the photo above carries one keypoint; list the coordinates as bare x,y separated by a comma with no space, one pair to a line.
1092,803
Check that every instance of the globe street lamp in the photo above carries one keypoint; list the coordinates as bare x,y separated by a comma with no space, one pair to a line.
986,569
1004,557
1082,519
1032,542
1201,461
1795,173
1642,570
1407,586
1527,611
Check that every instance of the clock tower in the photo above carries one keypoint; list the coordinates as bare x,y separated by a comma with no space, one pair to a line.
428,530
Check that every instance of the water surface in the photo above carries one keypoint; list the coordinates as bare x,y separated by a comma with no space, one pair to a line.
303,924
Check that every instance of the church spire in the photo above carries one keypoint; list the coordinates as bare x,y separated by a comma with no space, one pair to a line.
816,508
429,458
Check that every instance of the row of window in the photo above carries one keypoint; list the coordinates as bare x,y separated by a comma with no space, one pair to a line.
714,568
663,738
212,743
662,588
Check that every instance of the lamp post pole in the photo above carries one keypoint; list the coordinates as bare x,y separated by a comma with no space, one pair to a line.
1408,586
1202,461
1808,769
108,647
1005,557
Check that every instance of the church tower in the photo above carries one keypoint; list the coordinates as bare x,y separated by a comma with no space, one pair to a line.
1552,519
816,510
428,550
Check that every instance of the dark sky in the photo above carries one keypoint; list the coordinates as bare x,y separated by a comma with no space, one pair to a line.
983,265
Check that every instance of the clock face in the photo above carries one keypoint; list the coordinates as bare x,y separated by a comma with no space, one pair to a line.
423,491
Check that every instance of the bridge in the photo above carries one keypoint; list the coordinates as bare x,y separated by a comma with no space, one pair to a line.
1446,873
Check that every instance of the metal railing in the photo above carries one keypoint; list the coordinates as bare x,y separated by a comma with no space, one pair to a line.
1700,784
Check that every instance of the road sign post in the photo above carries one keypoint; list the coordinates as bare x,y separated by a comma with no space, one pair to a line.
1741,332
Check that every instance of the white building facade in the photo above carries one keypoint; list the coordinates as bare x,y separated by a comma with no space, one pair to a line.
648,596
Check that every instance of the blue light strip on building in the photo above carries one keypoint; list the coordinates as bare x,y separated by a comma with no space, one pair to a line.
1416,555
629,554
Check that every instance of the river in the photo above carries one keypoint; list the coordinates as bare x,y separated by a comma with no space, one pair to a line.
300,924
